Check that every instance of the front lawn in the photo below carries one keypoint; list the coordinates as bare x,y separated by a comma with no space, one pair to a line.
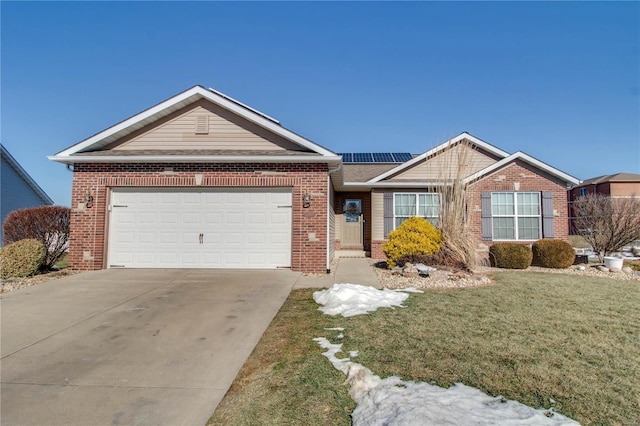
546,340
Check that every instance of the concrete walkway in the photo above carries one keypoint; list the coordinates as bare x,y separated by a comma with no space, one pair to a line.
349,270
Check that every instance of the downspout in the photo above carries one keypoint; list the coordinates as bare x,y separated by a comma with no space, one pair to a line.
329,211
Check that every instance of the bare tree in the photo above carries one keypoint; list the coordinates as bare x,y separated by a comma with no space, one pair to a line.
608,224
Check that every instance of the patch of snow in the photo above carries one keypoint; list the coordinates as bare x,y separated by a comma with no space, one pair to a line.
392,401
351,299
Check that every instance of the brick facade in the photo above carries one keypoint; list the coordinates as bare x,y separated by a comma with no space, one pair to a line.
516,176
89,223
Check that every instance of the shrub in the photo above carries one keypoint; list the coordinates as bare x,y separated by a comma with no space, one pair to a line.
553,254
510,256
415,237
21,259
47,224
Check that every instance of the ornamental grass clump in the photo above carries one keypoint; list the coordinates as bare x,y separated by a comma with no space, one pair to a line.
555,254
21,259
414,237
510,256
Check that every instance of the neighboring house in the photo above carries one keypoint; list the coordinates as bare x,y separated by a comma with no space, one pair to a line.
619,185
202,180
17,189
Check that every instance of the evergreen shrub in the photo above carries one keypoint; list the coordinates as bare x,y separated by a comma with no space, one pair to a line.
21,259
413,239
556,254
510,256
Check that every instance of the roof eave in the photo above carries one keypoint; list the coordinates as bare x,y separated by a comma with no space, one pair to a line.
331,160
187,97
568,179
25,176
422,157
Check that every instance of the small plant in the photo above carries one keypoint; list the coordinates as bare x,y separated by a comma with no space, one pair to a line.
510,256
21,259
414,237
555,254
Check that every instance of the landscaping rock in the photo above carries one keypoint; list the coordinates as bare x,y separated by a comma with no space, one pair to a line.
627,270
409,270
603,268
439,275
422,268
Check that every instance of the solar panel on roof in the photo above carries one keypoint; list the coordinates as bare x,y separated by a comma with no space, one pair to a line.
362,157
347,157
402,157
382,157
375,157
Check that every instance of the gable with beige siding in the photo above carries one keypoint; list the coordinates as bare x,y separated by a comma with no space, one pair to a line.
204,126
443,165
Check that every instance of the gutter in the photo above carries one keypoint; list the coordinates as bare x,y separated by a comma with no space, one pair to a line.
193,159
330,172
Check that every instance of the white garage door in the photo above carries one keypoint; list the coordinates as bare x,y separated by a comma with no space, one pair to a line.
166,228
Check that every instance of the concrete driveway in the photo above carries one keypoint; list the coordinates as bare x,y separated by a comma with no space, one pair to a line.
131,347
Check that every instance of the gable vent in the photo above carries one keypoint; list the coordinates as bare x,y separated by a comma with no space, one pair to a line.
202,125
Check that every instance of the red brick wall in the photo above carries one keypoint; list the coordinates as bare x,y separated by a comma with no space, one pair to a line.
528,180
376,250
89,227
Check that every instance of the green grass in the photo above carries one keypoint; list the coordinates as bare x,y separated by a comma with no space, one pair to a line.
62,263
531,337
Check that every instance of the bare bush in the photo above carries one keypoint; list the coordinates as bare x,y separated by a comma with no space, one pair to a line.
606,223
47,224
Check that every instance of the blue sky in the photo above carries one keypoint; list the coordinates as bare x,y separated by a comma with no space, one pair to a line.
559,81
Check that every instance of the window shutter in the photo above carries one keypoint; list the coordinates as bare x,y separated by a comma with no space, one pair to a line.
487,225
547,215
388,212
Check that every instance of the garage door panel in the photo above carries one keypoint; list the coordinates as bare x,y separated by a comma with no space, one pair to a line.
242,228
147,237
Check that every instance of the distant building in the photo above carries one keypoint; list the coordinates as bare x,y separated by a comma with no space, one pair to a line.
619,185
17,189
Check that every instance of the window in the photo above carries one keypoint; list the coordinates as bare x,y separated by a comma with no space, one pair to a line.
516,215
423,205
583,191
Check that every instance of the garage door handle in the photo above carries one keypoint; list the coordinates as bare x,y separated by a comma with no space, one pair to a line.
201,238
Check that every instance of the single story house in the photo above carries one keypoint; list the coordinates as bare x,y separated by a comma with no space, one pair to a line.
18,190
201,180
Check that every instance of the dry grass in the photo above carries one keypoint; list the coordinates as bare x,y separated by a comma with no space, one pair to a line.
459,247
532,337
286,380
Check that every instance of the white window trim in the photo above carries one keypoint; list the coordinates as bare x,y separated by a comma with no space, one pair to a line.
515,216
417,194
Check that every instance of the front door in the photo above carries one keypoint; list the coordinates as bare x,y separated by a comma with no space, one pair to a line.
353,224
